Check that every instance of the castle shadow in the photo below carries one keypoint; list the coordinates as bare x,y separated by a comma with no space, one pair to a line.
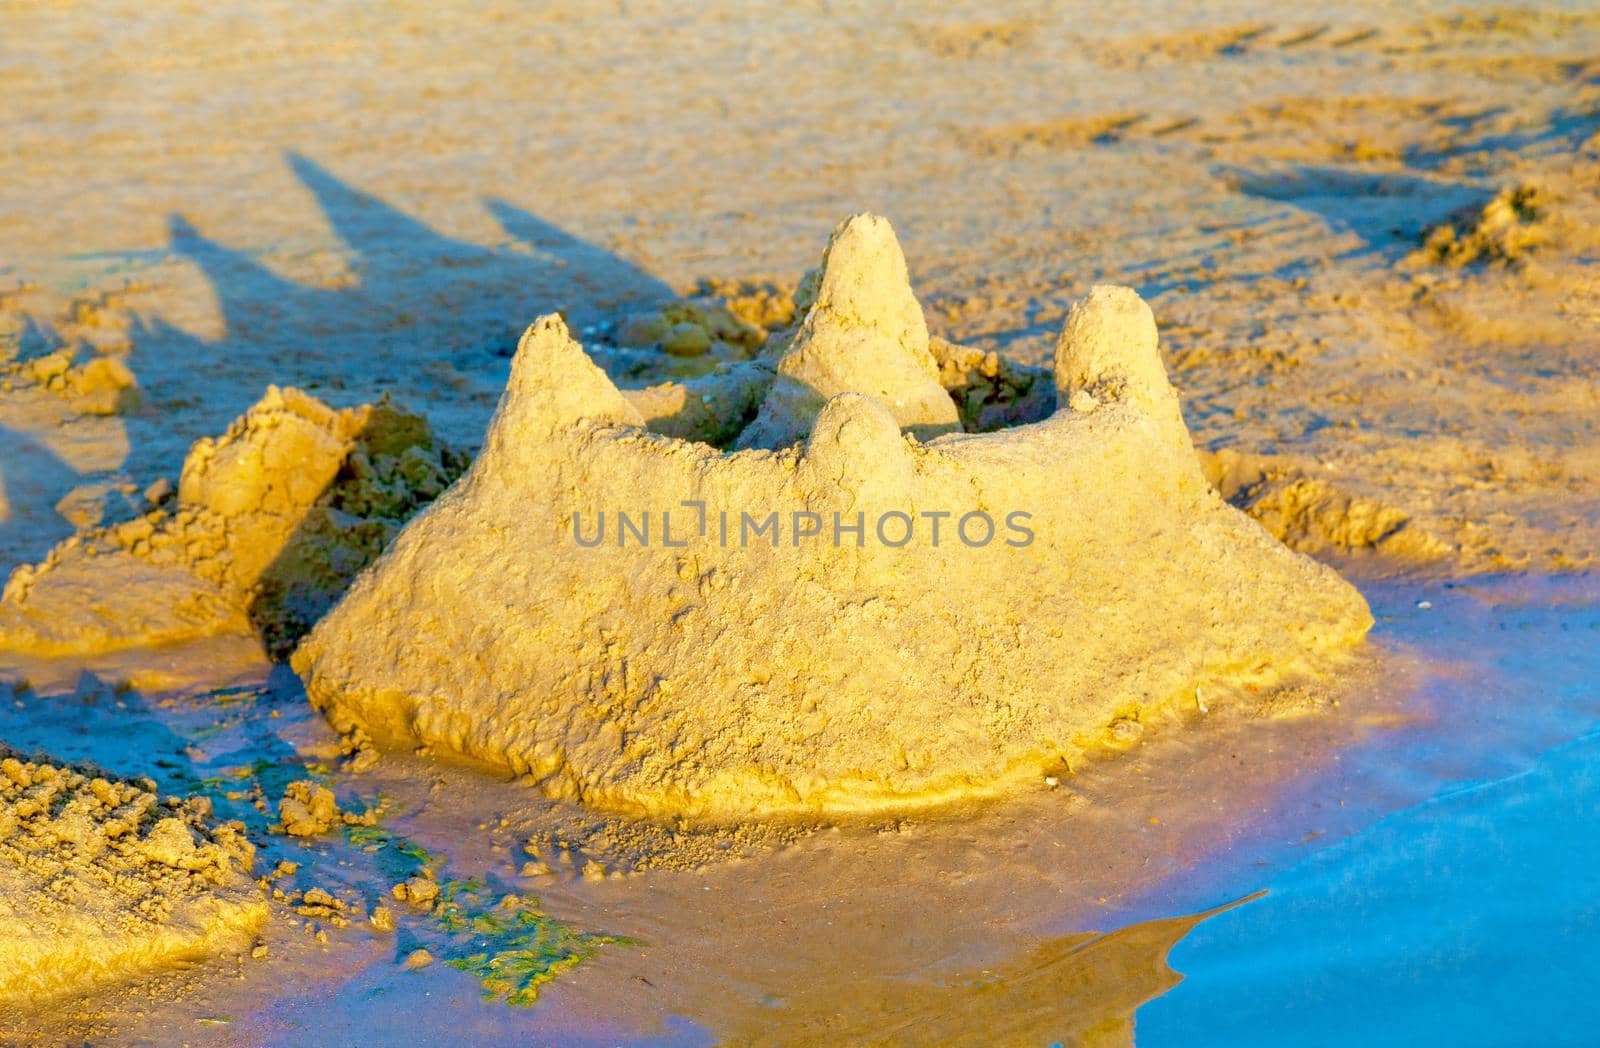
414,312
413,300
32,480
1388,212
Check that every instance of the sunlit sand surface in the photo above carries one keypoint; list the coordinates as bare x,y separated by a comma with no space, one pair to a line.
1369,239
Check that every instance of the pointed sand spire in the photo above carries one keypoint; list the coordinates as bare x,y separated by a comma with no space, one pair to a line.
1108,350
864,333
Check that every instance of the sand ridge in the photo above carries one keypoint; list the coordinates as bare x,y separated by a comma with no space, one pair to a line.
100,877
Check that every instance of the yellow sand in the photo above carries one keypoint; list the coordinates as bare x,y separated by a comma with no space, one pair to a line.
759,676
100,877
271,521
863,333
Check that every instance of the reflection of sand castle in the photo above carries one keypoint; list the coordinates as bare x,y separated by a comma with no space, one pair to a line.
99,877
826,652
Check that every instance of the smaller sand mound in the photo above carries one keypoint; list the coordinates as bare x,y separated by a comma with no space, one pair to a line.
1505,230
271,521
721,321
101,877
102,385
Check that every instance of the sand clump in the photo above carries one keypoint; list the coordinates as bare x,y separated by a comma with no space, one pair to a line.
711,396
309,809
1314,516
990,391
1506,230
850,655
268,524
101,385
724,320
419,892
100,877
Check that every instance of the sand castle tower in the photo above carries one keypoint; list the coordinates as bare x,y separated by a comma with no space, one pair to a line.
861,609
863,332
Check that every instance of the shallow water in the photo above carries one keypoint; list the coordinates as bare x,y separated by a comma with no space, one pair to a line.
1471,916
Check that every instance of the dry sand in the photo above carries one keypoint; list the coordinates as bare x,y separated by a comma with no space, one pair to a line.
1256,177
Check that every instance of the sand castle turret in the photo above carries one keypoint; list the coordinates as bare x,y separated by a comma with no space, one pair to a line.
869,619
1107,351
863,332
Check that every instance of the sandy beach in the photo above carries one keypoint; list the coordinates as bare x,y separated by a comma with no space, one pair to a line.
264,274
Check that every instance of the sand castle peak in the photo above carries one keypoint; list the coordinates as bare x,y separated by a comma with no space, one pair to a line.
553,385
863,331
863,281
1108,349
856,455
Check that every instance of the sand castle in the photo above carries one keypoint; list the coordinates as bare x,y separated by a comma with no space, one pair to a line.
268,524
862,609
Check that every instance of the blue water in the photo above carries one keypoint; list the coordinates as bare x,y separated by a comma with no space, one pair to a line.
1471,917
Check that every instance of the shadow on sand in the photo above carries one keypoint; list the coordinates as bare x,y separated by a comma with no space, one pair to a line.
416,313
32,480
413,300
1389,212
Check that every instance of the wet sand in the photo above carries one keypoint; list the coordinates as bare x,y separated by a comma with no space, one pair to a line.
860,931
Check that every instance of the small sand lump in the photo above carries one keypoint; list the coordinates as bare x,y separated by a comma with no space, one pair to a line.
418,891
308,809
